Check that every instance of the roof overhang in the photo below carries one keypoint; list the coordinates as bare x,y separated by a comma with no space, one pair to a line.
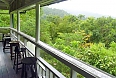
14,5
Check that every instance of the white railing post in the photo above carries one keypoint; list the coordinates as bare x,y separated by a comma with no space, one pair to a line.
51,75
18,24
25,44
73,74
37,32
47,73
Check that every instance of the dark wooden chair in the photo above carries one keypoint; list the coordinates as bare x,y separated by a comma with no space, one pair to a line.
30,63
6,44
13,44
20,53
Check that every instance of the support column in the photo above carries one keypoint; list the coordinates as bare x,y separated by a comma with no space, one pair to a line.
11,23
18,24
11,20
37,32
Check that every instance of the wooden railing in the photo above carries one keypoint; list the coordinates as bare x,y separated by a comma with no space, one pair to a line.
45,70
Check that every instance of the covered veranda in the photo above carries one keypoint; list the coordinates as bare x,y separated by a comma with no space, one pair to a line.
44,69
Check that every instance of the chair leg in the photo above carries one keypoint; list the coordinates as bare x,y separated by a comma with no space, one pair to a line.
14,61
4,44
17,64
25,72
32,72
23,54
22,73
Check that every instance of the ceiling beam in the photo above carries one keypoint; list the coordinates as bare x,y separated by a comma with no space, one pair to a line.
3,8
6,2
11,1
3,4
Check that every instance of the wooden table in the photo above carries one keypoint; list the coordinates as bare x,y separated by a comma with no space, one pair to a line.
13,43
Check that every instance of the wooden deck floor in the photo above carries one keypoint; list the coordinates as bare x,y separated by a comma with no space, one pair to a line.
6,65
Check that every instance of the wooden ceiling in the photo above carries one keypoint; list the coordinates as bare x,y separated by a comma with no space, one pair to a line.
13,5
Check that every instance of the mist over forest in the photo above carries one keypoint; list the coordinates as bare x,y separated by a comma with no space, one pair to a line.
61,13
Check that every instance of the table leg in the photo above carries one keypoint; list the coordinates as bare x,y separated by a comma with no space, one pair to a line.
11,51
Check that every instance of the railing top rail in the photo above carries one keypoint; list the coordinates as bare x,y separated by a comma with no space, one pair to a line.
4,27
86,70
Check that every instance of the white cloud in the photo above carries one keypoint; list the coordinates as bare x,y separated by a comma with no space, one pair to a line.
106,7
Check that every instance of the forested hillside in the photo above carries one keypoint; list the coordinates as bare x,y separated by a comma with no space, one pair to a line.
90,39
49,11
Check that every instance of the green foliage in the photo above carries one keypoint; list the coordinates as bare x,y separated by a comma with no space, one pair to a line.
81,39
28,22
101,57
4,19
113,46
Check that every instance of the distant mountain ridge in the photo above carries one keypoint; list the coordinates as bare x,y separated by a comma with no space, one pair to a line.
87,14
50,11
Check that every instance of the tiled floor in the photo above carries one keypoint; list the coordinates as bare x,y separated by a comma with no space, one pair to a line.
6,65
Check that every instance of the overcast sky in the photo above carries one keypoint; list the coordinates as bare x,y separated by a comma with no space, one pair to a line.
104,7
